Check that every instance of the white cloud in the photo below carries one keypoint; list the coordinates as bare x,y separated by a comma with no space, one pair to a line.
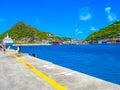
93,28
84,14
77,32
110,15
107,9
37,21
80,32
2,19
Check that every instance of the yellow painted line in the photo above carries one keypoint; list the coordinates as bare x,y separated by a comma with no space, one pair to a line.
53,83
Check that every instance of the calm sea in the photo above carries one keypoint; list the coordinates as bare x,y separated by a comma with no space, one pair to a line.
101,61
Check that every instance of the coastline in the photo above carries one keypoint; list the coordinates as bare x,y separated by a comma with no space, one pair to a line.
32,44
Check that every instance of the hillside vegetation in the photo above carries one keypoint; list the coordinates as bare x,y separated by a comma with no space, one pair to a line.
23,33
109,32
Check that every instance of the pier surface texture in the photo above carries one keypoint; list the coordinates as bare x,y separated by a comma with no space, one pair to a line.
24,72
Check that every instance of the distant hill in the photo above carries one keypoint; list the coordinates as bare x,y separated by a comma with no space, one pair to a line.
109,32
24,33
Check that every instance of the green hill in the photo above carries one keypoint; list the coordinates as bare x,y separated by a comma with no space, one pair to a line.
23,33
109,32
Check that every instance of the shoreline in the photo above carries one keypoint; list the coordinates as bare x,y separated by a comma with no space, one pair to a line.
42,44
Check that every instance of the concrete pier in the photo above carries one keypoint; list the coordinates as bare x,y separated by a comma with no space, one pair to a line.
24,72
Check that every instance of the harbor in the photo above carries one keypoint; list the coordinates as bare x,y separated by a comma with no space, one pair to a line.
17,74
59,45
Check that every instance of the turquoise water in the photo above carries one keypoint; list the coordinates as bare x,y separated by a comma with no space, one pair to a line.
101,61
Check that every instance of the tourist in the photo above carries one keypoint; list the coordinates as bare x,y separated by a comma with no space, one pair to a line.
4,49
8,48
18,49
1,48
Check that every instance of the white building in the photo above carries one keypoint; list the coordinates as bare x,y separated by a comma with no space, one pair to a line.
7,40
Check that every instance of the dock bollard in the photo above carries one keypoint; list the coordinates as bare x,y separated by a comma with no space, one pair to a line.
34,55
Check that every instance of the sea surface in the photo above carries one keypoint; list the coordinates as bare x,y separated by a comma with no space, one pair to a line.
101,61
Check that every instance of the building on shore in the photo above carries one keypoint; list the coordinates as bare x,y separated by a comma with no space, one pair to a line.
7,41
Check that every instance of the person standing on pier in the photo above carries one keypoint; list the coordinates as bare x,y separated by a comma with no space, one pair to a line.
18,49
4,49
1,48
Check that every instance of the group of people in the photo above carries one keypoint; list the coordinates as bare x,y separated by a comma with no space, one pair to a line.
3,48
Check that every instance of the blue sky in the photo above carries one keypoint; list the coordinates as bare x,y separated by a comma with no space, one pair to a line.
73,18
